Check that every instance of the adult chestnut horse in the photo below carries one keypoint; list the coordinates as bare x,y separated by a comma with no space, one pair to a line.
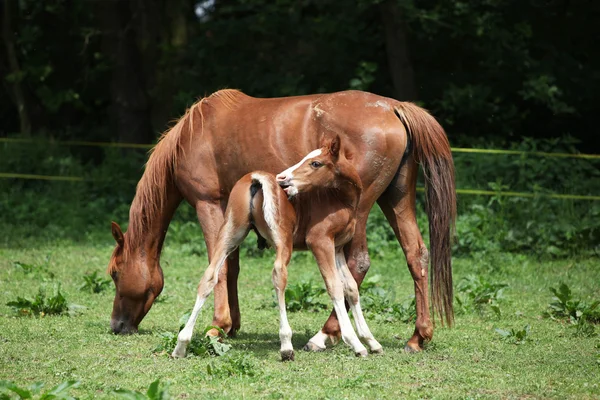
229,134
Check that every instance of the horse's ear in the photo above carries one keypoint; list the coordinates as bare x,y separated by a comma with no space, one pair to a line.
334,146
117,233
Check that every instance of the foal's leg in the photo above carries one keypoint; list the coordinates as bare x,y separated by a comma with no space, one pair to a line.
230,236
284,253
358,263
324,252
353,298
398,205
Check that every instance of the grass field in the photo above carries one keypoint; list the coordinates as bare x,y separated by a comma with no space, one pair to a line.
470,360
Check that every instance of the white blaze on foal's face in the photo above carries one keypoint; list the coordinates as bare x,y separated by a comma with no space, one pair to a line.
286,178
316,170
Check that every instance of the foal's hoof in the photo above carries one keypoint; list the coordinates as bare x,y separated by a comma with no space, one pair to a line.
287,355
411,348
377,351
310,346
362,353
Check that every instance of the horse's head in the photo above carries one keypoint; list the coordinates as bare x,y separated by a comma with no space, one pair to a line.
138,281
321,168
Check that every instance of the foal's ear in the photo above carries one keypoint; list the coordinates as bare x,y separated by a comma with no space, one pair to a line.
334,146
117,233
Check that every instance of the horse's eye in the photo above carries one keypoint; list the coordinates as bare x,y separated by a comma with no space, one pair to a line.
316,164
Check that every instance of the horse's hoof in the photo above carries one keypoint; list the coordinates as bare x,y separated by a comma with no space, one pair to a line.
362,353
287,355
412,348
377,351
310,346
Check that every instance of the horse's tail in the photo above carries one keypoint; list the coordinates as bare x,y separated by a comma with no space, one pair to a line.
270,200
431,149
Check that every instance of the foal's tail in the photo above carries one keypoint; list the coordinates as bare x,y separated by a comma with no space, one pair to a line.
432,150
270,202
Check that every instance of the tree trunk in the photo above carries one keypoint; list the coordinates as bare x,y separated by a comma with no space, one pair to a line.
15,71
396,43
130,106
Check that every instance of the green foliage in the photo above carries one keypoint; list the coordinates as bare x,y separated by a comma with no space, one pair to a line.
200,345
35,269
240,364
94,283
475,292
364,76
565,306
41,304
155,391
58,392
548,227
304,296
515,336
381,305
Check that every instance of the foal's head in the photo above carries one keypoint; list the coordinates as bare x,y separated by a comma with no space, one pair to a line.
321,168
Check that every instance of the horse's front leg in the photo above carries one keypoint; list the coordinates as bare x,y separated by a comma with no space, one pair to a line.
358,263
211,217
280,274
324,252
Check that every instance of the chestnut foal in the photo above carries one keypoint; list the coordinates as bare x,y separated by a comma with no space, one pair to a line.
323,224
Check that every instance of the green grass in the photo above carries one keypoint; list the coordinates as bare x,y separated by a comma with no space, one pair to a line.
469,361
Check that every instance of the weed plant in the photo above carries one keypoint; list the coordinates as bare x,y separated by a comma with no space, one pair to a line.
94,283
41,304
9,390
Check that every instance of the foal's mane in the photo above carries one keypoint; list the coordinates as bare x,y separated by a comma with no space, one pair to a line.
152,189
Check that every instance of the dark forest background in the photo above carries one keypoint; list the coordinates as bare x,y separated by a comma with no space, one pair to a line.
507,74
123,69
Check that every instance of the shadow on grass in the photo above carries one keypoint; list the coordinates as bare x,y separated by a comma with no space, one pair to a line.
268,344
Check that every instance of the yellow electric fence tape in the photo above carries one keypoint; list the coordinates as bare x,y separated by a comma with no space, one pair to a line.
420,189
455,150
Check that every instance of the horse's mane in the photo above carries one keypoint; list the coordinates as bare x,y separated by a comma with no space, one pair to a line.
152,189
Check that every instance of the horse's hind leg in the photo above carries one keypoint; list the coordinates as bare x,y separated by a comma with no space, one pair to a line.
353,298
284,253
231,235
398,205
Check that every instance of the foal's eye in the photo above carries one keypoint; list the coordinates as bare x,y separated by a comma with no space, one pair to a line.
316,164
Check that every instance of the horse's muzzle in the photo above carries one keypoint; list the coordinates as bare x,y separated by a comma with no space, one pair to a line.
122,328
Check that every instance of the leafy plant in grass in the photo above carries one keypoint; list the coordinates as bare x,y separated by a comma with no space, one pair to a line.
36,269
574,310
42,305
200,345
477,293
94,283
155,391
515,336
58,392
240,364
304,296
381,304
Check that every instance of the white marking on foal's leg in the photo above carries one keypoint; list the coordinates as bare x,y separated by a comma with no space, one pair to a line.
363,329
185,336
348,334
353,298
285,330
